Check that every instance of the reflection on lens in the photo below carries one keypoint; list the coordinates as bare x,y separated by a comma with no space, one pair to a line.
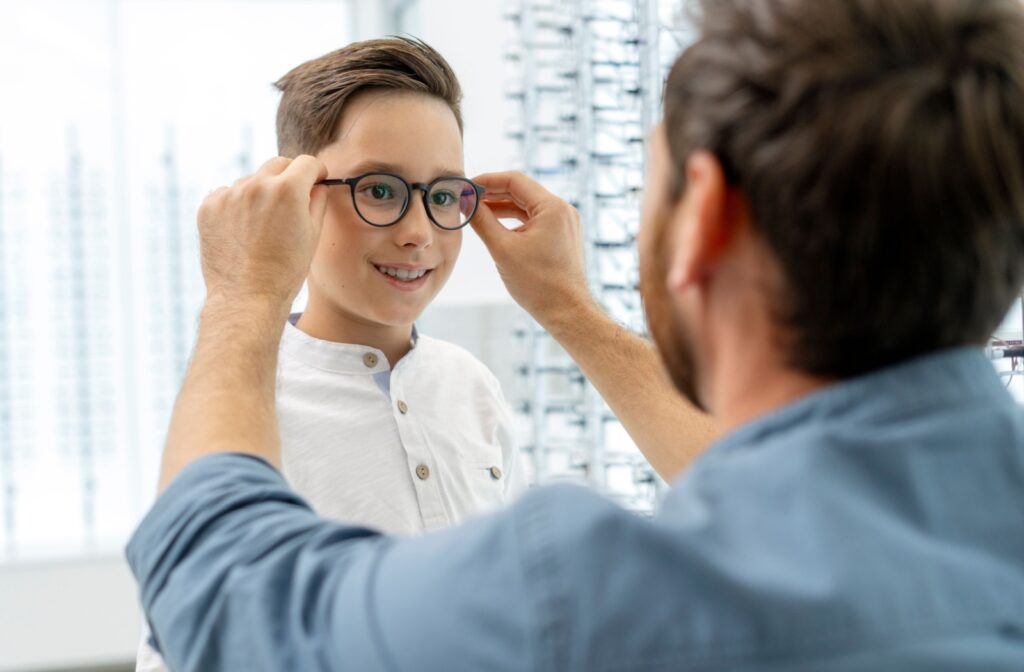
380,199
452,202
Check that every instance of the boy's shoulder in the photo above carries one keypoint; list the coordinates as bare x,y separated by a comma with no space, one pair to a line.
454,359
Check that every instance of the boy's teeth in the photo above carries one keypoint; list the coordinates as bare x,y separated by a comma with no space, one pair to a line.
401,273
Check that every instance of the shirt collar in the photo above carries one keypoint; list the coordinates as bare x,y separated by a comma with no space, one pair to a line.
947,377
345,358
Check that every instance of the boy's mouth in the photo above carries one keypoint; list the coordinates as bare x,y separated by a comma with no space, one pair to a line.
403,274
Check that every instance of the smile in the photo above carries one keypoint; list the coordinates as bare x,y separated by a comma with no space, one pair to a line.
403,274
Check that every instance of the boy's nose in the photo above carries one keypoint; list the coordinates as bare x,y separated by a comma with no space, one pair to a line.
415,229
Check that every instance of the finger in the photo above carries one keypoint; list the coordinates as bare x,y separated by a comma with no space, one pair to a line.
508,210
212,198
305,171
487,226
274,166
524,190
210,203
494,197
268,169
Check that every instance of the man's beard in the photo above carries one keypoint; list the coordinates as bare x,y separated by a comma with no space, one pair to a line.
667,328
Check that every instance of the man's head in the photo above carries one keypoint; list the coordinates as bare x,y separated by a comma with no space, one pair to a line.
388,105
852,169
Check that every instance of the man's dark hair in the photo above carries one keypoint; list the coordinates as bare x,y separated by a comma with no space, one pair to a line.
880,146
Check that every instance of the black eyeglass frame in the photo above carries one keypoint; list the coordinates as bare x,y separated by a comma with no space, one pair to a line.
424,187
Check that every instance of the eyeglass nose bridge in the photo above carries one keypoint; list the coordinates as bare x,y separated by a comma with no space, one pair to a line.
425,189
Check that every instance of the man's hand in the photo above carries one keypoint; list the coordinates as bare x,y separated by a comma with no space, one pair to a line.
257,237
541,262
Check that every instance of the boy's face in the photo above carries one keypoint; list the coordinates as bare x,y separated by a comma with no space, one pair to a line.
416,137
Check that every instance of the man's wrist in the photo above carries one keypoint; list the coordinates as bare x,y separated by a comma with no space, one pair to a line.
570,315
254,320
254,309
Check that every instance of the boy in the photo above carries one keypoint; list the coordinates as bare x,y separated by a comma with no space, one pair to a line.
381,426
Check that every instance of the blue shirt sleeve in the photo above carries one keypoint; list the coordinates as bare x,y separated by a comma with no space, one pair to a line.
237,573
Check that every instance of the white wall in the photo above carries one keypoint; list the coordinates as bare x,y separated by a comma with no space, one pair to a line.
67,614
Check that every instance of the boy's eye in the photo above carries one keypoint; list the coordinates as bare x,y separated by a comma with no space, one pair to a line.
379,191
443,198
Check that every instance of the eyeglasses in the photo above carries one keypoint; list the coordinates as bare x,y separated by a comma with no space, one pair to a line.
382,199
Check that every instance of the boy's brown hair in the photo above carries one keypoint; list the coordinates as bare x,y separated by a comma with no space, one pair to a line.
314,93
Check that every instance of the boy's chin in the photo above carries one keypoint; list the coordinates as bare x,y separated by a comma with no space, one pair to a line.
393,318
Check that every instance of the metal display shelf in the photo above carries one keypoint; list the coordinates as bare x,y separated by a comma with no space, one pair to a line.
588,77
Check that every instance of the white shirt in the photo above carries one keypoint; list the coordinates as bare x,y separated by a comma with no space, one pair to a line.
404,450
415,448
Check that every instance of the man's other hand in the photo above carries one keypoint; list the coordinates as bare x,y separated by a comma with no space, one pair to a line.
541,261
257,237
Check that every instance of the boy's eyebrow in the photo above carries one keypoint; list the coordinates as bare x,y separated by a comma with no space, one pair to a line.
383,167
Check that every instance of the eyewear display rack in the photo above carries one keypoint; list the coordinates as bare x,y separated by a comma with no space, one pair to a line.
588,75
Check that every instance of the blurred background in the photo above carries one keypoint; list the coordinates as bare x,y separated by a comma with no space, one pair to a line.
118,116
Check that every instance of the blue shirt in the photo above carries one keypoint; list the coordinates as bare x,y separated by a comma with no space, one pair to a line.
875,525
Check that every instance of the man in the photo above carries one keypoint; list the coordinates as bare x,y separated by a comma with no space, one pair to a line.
834,223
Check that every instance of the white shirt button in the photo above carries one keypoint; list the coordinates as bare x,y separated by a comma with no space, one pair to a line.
423,472
403,407
370,360
495,473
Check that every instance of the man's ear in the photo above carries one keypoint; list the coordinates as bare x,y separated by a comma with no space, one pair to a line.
704,221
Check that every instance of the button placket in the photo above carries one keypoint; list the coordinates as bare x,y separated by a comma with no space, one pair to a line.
421,462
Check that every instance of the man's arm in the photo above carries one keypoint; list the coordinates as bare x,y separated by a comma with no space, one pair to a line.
541,263
257,239
627,371
237,573
230,385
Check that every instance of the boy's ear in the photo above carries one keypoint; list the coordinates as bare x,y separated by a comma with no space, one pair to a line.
704,221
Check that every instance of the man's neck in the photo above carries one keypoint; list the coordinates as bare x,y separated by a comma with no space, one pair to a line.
753,380
330,323
759,396
748,373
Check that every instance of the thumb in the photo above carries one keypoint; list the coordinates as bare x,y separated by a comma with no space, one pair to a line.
487,226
